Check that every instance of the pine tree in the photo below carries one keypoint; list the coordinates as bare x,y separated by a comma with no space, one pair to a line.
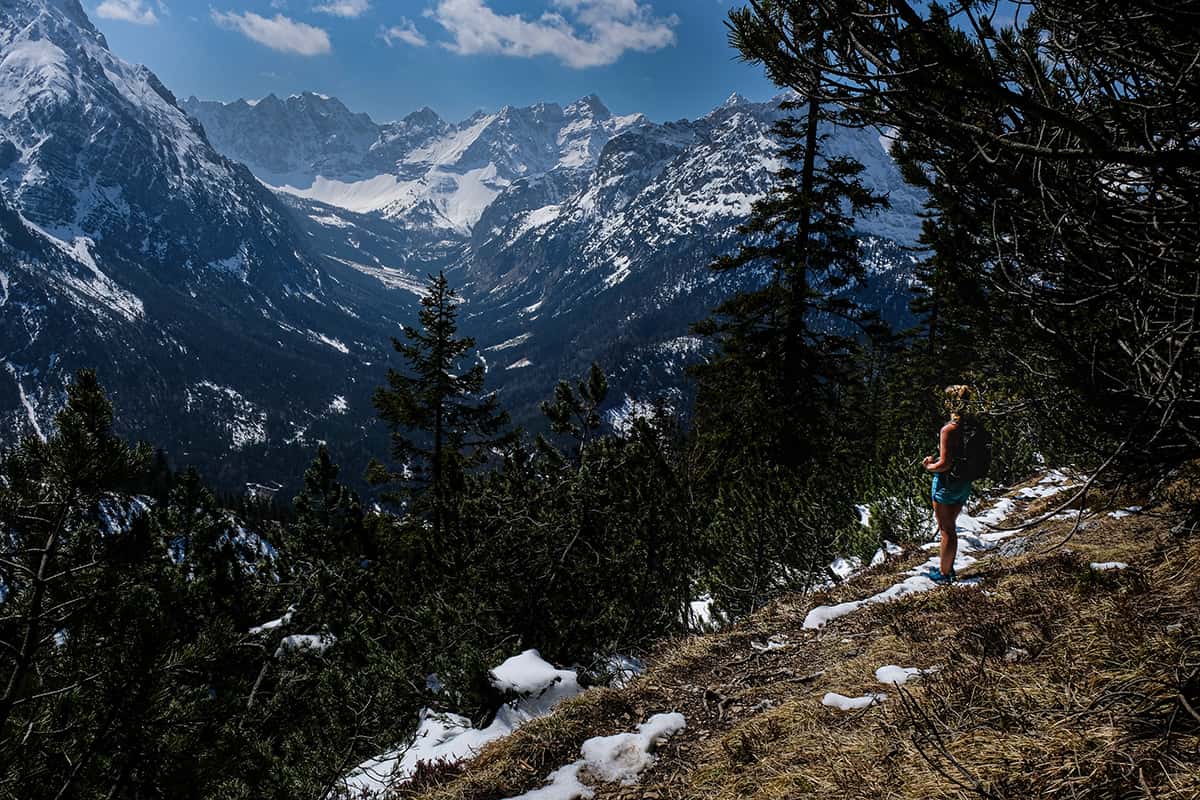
48,489
442,425
788,346
576,411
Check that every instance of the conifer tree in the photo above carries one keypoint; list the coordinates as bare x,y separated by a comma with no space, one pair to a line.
48,488
787,346
576,411
442,424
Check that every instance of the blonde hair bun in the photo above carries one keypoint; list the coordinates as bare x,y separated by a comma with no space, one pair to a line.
957,397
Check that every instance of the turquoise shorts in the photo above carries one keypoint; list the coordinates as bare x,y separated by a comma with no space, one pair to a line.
949,492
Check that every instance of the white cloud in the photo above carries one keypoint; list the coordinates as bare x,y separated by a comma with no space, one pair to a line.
135,11
278,33
344,8
579,33
406,32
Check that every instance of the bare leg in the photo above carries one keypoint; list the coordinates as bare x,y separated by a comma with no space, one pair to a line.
947,519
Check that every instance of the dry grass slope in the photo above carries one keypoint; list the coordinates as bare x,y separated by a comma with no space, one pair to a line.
1053,680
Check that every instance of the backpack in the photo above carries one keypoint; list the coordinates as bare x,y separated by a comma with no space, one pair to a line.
974,456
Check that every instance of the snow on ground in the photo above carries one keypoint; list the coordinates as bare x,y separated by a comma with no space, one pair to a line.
360,197
897,675
513,342
324,339
390,277
776,642
450,737
620,758
845,567
975,534
521,364
881,555
1103,566
843,703
1121,513
243,422
701,614
1052,483
822,615
623,670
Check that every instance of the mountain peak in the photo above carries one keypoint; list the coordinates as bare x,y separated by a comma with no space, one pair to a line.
589,106
44,19
734,99
423,116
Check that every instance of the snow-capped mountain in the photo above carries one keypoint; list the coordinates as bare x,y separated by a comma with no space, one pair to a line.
578,234
130,245
420,171
240,312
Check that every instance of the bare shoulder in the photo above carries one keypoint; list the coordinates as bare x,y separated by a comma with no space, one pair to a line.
950,427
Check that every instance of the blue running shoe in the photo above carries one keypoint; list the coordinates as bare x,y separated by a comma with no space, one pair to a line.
936,576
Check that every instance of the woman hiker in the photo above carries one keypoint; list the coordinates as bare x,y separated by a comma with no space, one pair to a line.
949,495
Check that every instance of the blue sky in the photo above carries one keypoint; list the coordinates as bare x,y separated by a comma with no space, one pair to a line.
667,58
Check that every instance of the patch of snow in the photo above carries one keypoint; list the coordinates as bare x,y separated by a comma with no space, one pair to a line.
317,643
390,277
537,218
620,271
99,288
1121,513
623,757
336,344
273,624
338,405
1103,566
845,567
26,403
450,737
243,422
623,669
881,555
701,615
776,642
843,703
897,675
513,342
621,419
620,758
822,615
524,362
330,221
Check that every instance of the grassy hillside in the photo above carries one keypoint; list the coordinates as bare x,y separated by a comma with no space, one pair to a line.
1047,678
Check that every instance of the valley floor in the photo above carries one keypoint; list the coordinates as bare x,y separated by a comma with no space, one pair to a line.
1066,671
